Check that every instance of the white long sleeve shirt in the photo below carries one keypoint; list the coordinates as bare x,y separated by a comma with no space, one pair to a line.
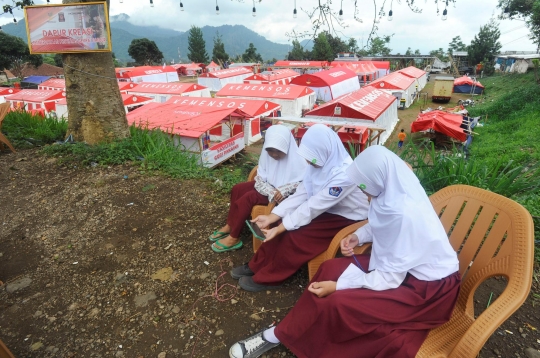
354,277
298,210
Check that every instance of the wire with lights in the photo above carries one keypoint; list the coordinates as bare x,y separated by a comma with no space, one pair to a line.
341,11
294,11
217,8
254,12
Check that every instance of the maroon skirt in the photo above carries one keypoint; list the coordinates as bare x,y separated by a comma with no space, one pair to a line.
244,197
281,257
362,323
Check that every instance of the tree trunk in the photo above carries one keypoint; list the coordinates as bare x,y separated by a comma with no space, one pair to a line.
95,107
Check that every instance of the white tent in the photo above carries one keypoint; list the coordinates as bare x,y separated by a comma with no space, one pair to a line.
330,83
217,79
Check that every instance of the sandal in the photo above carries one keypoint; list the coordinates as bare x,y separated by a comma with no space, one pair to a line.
221,235
224,248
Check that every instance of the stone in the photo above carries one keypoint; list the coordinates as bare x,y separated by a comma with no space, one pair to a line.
36,346
219,332
18,284
164,274
256,317
204,275
162,355
142,300
176,309
532,353
119,354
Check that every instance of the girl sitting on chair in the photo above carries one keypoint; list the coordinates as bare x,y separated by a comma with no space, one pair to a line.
279,172
383,305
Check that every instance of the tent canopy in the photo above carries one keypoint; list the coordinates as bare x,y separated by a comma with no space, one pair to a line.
128,99
126,86
6,91
273,75
324,78
213,65
466,80
395,80
301,64
439,121
230,72
250,108
266,91
29,95
166,88
59,83
129,72
383,65
174,118
366,103
36,79
412,72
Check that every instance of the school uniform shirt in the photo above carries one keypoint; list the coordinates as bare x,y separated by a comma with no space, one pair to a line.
299,210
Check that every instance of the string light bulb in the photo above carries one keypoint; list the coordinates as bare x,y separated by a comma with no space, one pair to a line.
444,15
181,6
294,15
341,11
151,3
217,8
254,12
15,21
390,15
121,1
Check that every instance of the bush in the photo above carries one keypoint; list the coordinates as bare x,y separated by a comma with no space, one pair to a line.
26,130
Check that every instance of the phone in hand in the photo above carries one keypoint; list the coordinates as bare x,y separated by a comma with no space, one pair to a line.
256,230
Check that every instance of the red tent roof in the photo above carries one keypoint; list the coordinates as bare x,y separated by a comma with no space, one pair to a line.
250,107
273,75
324,78
442,122
381,64
126,86
166,88
128,99
128,72
395,80
413,72
6,91
188,121
230,72
301,64
357,67
466,80
365,103
213,65
54,82
264,91
33,95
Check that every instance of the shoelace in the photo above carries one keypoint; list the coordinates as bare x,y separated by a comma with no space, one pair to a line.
253,344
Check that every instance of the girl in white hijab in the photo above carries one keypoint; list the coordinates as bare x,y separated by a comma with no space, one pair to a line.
325,202
279,172
377,307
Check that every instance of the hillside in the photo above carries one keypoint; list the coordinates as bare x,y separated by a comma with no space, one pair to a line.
235,37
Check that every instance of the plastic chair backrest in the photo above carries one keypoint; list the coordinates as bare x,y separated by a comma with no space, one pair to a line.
493,236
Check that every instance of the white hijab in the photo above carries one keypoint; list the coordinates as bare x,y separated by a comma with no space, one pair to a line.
286,170
407,232
322,146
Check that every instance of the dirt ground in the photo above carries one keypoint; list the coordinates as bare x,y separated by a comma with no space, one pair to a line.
111,262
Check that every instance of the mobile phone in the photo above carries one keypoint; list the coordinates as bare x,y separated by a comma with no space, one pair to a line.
256,230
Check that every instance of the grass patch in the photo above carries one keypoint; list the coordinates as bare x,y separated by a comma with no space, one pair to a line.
25,130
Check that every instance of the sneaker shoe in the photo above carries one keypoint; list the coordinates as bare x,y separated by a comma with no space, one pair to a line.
247,283
251,347
241,271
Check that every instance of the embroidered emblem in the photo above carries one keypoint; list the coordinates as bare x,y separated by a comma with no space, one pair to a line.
314,161
335,191
362,186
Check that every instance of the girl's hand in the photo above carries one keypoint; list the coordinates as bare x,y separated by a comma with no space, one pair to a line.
322,289
278,198
273,232
264,221
348,244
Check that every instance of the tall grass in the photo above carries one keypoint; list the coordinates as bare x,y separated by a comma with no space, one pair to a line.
26,130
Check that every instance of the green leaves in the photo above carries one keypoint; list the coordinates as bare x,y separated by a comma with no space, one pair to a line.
145,52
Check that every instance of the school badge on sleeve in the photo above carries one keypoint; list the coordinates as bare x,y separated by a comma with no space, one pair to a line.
335,191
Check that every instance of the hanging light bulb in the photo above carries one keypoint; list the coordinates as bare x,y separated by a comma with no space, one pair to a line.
151,3
181,6
294,15
444,15
254,12
15,21
121,1
340,14
217,8
390,15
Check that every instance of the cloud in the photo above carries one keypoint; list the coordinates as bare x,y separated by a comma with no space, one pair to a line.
425,31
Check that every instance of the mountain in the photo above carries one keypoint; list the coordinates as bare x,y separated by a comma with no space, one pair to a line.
235,37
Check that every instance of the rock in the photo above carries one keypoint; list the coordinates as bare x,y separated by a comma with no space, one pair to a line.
73,306
119,354
36,346
256,317
38,314
496,351
18,284
176,309
94,312
142,300
219,332
162,355
233,301
163,274
532,353
204,275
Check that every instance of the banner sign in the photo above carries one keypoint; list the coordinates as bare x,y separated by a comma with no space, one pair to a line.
222,151
81,27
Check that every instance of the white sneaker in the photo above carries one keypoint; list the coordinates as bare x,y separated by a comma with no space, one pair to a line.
251,347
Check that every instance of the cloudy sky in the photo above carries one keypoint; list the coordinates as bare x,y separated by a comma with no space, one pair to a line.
425,31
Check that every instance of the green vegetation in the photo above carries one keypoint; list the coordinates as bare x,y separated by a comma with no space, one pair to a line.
25,130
